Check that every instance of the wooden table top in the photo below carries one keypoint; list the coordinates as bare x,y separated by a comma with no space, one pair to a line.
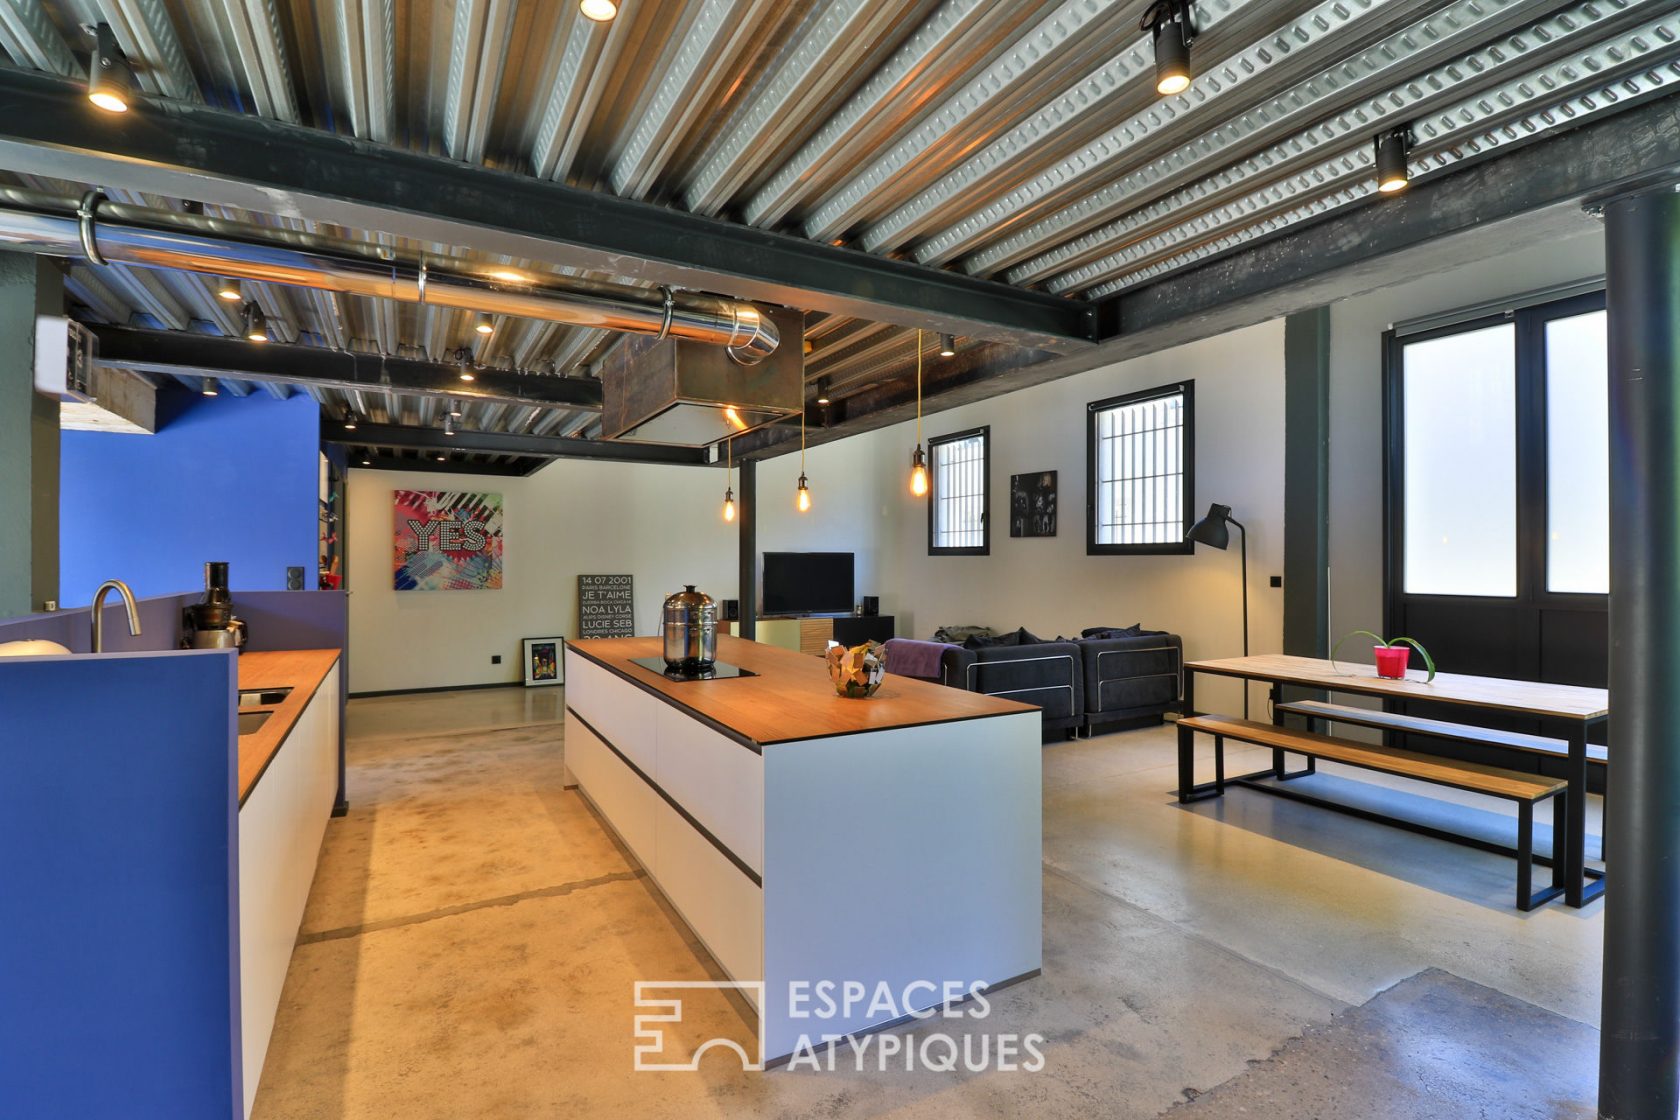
1560,701
301,670
792,698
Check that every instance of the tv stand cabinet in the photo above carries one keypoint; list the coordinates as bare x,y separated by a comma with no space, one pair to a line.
808,634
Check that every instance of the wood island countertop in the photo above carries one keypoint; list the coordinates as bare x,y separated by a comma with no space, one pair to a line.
301,670
792,698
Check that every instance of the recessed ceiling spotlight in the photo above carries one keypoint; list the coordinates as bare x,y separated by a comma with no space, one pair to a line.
483,324
1394,156
1169,21
256,323
601,11
228,290
111,82
947,345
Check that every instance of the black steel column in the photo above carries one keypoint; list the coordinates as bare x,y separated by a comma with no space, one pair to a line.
747,514
1641,1015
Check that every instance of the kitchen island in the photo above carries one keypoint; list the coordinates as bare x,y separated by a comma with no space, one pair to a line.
813,842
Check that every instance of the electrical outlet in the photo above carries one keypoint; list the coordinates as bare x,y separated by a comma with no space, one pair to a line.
1277,581
495,659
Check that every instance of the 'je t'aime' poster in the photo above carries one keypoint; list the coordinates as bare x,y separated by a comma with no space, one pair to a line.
447,540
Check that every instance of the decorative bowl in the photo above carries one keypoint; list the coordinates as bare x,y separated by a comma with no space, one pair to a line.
857,672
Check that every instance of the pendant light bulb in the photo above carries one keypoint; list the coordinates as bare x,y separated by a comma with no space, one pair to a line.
729,481
918,461
802,496
918,473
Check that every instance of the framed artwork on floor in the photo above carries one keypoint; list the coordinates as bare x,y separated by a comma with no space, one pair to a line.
1032,504
545,661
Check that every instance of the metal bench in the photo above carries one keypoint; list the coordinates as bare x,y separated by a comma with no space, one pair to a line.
1525,790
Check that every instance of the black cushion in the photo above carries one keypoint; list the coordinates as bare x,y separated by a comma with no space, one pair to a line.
980,641
1131,631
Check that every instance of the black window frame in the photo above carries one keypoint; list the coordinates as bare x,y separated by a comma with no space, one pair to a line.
1533,530
1186,389
985,547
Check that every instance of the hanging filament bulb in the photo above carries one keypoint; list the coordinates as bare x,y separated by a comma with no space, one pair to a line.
802,496
729,482
918,460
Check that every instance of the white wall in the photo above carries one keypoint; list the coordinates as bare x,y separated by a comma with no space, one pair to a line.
1050,585
662,525
1356,404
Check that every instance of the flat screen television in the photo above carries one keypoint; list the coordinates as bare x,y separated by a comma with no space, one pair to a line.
807,583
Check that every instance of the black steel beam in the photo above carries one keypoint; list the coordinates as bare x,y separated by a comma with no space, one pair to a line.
1637,1078
517,469
184,353
1306,484
183,150
747,551
507,443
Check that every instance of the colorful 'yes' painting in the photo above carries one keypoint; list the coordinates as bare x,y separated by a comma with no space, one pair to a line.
447,540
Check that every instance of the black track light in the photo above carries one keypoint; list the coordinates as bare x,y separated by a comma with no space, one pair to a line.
1394,157
208,387
349,421
1173,30
256,323
947,345
111,83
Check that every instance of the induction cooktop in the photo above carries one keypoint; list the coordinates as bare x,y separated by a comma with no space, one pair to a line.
720,670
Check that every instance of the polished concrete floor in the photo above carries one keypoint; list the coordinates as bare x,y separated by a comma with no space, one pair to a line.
474,933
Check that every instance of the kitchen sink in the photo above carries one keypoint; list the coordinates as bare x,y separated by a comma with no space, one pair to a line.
263,697
251,721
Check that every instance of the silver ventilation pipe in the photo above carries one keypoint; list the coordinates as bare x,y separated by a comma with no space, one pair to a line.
103,231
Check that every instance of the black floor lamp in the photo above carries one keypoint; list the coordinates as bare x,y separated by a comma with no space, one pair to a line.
1212,530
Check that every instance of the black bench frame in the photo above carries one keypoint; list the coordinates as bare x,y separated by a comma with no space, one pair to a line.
1268,781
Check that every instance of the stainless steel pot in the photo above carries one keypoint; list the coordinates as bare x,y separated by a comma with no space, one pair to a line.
690,631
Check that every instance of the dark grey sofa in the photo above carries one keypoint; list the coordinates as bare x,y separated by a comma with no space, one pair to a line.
1132,679
1089,682
1050,675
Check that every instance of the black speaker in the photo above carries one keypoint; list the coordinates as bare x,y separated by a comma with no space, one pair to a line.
294,578
731,610
871,605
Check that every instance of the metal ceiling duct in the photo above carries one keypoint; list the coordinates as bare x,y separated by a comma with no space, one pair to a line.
102,231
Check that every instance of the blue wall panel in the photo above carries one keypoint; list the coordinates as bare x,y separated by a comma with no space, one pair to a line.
118,913
225,478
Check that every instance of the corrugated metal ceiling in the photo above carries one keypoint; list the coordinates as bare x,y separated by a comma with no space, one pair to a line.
1020,140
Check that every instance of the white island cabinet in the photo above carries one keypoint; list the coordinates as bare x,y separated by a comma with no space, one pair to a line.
813,842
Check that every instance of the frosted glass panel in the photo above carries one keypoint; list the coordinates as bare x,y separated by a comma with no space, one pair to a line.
1577,455
1460,417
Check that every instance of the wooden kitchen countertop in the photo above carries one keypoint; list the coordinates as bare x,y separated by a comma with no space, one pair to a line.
792,698
301,670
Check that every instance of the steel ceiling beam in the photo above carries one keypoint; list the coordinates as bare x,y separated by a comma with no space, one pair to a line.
506,443
189,151
202,355
518,468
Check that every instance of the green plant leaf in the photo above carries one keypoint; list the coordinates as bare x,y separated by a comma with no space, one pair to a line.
1428,661
1374,637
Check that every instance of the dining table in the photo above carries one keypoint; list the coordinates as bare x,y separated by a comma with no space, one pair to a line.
1578,710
